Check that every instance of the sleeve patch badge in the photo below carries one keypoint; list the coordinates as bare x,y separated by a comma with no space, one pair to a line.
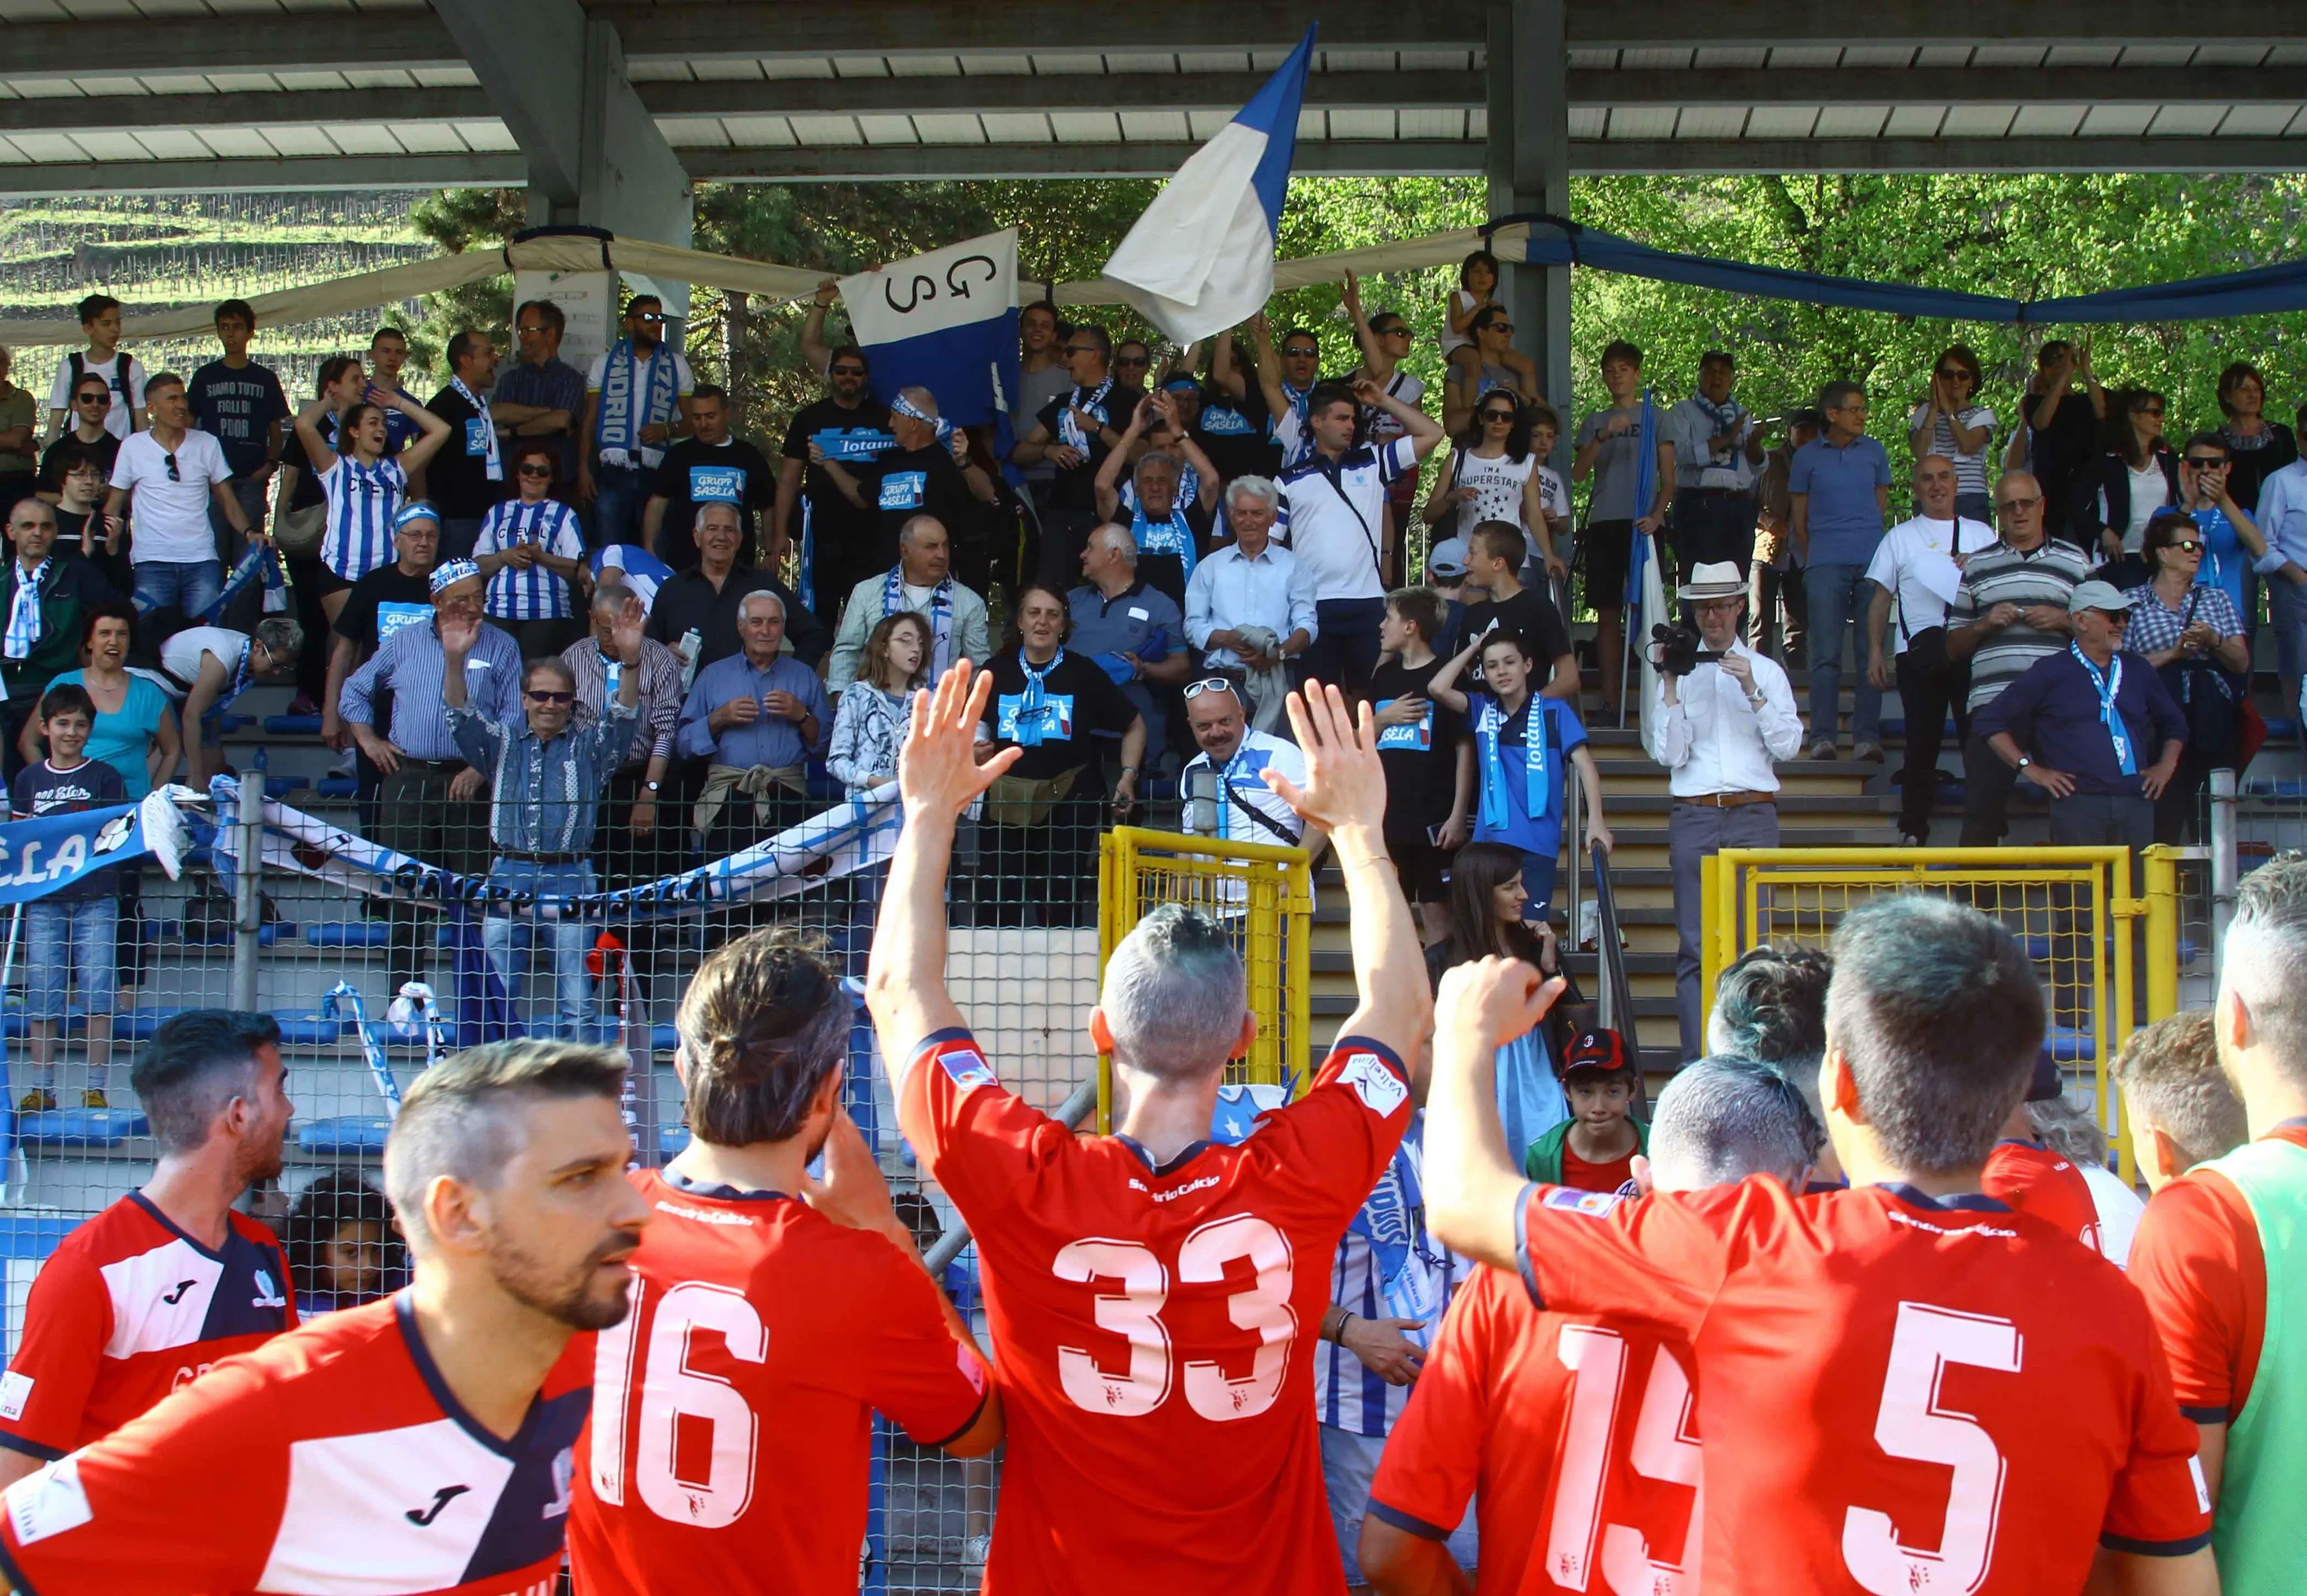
1593,1204
48,1503
968,1069
16,1393
1374,1081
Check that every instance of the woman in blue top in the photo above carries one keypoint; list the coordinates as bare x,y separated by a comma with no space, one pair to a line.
2232,541
1521,780
135,724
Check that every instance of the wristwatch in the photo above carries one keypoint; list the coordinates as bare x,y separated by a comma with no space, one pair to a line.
2023,762
653,786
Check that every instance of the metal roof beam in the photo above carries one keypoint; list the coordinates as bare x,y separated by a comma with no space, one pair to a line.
867,163
297,175
2213,155
1939,86
1706,23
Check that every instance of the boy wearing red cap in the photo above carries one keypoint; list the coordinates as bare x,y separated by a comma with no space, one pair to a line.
1594,1149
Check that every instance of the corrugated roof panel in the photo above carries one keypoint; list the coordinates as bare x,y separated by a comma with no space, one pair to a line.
996,67
949,130
2007,56
1313,123
47,146
1359,61
1084,127
2265,122
177,83
1850,122
1977,121
1593,60
2287,54
2157,55
1898,55
1412,124
299,140
1669,57
2046,121
1730,58
1205,124
59,89
734,70
1128,63
1478,125
1214,61
2195,121
2230,54
1805,57
242,83
1586,121
861,66
385,79
1016,127
1378,125
1781,122
694,132
1063,62
2085,54
1146,125
239,144
488,135
826,130
171,143
923,66
9,156
456,76
795,66
659,72
1913,122
2117,120
356,137
292,81
758,131
1942,55
111,86
1641,121
888,130
1437,60
1711,122
429,138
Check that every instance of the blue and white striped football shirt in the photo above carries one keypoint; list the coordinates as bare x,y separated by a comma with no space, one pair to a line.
536,594
362,500
1347,1395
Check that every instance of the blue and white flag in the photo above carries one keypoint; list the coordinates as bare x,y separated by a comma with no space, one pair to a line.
49,852
1201,259
947,322
644,571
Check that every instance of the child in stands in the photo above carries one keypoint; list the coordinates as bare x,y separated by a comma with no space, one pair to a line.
1594,1149
76,923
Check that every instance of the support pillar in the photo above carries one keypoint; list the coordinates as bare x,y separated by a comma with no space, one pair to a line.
1528,165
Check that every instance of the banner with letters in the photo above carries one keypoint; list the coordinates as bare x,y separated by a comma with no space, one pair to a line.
48,853
947,322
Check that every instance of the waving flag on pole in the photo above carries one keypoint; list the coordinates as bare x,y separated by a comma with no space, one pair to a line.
1201,259
947,322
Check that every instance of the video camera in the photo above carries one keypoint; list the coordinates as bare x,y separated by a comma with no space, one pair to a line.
1678,649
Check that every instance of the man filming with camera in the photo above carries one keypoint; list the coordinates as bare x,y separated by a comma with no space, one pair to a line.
1723,715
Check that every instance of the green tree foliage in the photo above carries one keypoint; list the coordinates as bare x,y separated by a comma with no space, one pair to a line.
458,220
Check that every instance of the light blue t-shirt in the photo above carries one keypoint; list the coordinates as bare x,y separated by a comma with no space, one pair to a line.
1564,732
122,740
1845,517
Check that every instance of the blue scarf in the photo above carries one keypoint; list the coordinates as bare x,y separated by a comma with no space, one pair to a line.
1496,806
1173,536
1300,405
24,612
1069,431
1410,1270
1034,707
2107,686
619,423
893,599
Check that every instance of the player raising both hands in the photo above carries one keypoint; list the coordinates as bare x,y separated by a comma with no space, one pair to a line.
1153,1298
1904,1387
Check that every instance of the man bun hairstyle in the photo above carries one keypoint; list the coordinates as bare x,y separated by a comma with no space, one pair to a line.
195,1064
1940,1016
764,1023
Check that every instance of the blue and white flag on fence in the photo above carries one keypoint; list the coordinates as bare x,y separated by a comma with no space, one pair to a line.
947,322
1201,259
49,852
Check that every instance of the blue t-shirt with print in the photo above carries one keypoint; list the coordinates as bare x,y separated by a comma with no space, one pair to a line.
1564,732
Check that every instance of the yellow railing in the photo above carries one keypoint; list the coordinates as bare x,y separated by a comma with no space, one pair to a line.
1261,892
2073,909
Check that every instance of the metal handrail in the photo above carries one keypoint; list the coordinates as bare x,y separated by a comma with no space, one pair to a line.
1616,997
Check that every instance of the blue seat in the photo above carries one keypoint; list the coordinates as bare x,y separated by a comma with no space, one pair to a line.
664,1039
338,787
304,1028
16,1023
672,1141
137,1025
2282,728
2071,1046
235,723
77,1128
266,935
344,1133
280,786
349,933
293,725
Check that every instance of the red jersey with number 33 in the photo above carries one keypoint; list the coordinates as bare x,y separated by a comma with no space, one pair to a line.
1154,1327
1576,1437
1899,1396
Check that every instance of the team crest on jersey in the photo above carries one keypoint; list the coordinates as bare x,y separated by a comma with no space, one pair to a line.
968,1069
1374,1081
267,1295
1591,1204
15,1390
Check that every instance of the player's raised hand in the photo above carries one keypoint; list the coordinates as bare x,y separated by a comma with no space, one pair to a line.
1345,783
938,772
1501,998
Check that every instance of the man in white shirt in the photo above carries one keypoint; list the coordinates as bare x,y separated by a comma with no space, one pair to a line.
1917,571
1250,605
1718,734
632,410
920,581
1226,796
166,478
1717,458
1332,515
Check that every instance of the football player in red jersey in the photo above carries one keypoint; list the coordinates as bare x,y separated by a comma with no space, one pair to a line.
772,1314
146,1295
1904,1387
1590,1418
2034,1179
421,1446
1153,1298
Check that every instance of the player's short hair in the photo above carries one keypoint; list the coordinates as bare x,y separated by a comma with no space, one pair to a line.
1940,1014
95,305
1501,540
1421,607
1174,994
2266,959
2172,1082
764,1022
462,1118
1721,1119
66,698
1770,1004
195,1063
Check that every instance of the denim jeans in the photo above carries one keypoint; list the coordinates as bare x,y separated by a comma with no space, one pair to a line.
1345,652
1837,594
61,933
508,941
618,494
189,585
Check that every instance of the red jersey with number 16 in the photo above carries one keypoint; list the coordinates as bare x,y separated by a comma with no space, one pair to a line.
1154,1327
1900,1395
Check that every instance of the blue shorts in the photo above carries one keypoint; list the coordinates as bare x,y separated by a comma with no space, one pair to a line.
61,933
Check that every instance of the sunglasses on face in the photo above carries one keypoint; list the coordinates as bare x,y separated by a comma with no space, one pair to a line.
535,470
533,329
848,371
100,400
1134,360
2207,462
2155,410
1497,327
1950,374
549,696
645,316
1084,350
2185,546
2114,617
1505,416
1302,353
2012,506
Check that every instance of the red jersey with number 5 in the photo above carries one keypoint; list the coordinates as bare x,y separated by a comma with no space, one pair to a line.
1900,1395
732,1428
1155,1327
1575,1435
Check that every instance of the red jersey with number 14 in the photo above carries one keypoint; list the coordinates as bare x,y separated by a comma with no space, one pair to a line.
1900,1395
1154,1327
731,1429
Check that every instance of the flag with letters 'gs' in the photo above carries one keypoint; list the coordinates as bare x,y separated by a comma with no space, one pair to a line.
1201,259
947,322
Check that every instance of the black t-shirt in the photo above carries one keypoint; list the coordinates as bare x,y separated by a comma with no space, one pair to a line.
52,461
1233,432
381,604
41,789
839,525
905,483
1166,572
2061,451
238,406
1529,613
1076,489
1420,761
692,474
1079,703
457,479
